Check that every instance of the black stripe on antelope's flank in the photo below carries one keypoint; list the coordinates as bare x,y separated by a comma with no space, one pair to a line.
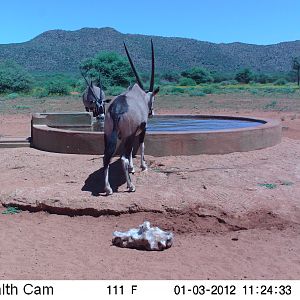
118,107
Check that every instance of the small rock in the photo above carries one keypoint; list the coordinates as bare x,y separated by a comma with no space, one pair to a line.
143,238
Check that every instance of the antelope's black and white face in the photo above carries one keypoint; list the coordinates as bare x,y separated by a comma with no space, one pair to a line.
94,99
99,110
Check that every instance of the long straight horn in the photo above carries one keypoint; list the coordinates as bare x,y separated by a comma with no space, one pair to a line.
100,86
85,79
152,69
133,69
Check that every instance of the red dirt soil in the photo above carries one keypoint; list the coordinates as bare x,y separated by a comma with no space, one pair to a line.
227,224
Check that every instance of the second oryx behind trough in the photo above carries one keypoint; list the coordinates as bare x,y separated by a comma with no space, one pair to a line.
93,99
126,119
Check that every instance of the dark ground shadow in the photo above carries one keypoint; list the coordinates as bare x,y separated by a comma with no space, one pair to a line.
95,182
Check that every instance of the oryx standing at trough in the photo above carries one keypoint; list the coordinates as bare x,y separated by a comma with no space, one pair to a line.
93,98
127,118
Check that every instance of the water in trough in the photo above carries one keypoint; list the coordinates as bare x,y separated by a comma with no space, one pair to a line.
173,124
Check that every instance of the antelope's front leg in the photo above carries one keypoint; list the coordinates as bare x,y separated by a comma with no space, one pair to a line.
143,163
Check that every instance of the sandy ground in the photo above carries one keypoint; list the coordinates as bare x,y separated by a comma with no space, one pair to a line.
227,224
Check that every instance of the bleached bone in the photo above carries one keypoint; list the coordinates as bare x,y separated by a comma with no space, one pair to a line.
143,238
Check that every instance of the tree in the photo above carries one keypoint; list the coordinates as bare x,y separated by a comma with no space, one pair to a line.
112,67
244,76
200,75
13,78
184,81
57,87
296,66
170,76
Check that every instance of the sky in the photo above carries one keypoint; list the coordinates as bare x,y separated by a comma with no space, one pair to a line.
220,21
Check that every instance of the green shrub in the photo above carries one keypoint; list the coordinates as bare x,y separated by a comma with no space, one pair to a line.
229,82
208,90
13,78
12,96
262,78
57,87
280,81
184,81
219,77
254,91
170,77
244,76
171,90
285,90
21,107
200,75
196,93
40,92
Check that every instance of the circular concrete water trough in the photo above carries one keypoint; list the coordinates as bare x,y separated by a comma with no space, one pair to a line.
71,133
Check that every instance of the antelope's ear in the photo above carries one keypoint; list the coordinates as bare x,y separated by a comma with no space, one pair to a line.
155,91
107,100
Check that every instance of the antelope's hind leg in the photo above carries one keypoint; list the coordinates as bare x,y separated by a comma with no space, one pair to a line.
110,143
126,162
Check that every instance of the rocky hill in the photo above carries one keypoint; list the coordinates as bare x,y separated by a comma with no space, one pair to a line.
62,51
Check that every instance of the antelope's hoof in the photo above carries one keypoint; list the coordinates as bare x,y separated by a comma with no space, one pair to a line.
131,188
144,167
131,170
108,191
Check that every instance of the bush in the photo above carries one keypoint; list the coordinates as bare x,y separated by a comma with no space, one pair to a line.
196,93
170,77
200,75
171,90
208,90
184,81
13,78
244,76
219,77
253,91
40,92
229,82
12,96
280,81
57,87
262,78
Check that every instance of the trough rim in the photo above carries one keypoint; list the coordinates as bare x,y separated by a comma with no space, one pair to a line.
266,123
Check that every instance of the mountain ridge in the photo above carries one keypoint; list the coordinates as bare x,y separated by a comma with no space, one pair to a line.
62,50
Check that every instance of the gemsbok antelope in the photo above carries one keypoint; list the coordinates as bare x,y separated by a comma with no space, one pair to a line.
127,118
93,99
